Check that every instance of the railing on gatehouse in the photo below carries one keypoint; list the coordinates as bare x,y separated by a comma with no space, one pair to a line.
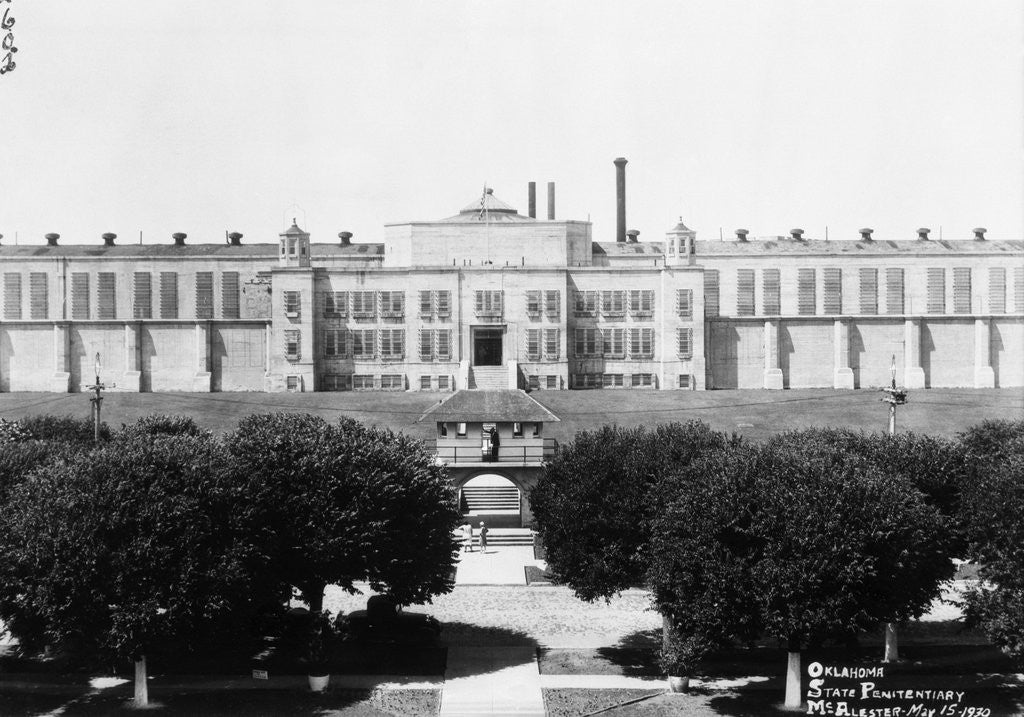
462,450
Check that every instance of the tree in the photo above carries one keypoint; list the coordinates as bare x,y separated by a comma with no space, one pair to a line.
335,504
122,547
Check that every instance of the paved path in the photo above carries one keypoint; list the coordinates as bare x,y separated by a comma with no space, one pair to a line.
500,565
492,681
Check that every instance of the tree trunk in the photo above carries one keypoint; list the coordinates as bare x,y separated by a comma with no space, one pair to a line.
667,626
793,696
313,594
892,647
141,687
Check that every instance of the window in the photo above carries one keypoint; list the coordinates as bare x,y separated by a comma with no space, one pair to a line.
711,307
335,343
426,345
641,343
832,287
771,292
533,382
587,342
293,383
587,380
684,380
292,344
425,383
362,382
143,298
106,290
611,380
460,430
337,382
1018,289
80,296
204,295
12,296
806,305
997,289
392,382
364,304
168,295
335,303
894,291
551,382
38,298
488,303
364,343
961,290
869,291
586,303
392,304
613,303
533,303
936,291
442,383
517,430
641,303
684,303
744,292
533,341
443,344
392,343
435,344
553,304
292,303
613,343
684,341
551,343
427,304
229,295
642,380
443,304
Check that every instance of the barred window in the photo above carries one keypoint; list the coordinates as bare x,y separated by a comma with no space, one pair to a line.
533,341
488,303
204,294
997,289
106,291
293,383
12,296
443,303
553,304
364,343
392,382
362,382
551,382
335,343
641,303
426,345
364,304
684,339
443,344
168,295
642,380
711,305
869,291
744,292
613,343
38,296
143,298
684,303
832,288
586,303
392,304
1018,289
392,343
292,303
79,295
533,303
961,290
229,295
772,292
641,343
806,305
613,303
425,383
337,382
292,344
587,380
936,290
587,343
684,380
894,291
426,304
611,380
551,344
533,382
442,383
335,303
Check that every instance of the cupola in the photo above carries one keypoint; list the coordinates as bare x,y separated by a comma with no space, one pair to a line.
294,247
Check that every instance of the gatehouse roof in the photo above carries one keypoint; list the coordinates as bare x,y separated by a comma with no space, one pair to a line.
512,406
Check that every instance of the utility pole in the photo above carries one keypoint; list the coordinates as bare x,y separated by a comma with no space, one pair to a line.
97,399
894,397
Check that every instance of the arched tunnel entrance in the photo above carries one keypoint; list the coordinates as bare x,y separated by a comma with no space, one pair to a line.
491,498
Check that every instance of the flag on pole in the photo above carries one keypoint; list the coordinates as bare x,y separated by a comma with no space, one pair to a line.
483,204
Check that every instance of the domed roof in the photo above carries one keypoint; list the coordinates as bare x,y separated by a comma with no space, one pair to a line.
680,227
293,230
488,208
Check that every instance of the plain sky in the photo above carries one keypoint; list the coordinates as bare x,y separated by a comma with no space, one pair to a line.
206,116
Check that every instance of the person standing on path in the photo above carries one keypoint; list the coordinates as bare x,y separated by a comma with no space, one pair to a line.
467,537
483,537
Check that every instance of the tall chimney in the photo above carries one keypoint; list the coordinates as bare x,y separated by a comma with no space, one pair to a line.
741,234
346,238
179,238
551,201
235,238
922,233
979,233
620,199
51,239
108,239
531,193
865,234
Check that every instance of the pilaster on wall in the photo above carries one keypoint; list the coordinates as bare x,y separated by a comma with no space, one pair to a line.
772,372
61,380
132,378
913,373
842,374
202,379
513,374
463,379
984,376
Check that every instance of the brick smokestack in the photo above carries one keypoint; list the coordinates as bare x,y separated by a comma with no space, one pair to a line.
531,199
620,199
551,201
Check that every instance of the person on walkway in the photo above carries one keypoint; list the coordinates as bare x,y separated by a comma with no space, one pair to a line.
467,537
495,442
483,537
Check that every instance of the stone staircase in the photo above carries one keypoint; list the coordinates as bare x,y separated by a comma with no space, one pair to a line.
510,536
490,499
488,378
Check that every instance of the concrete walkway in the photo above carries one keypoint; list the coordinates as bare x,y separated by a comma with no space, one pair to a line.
500,565
492,681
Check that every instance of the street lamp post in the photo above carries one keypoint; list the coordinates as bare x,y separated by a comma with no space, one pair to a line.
97,399
894,397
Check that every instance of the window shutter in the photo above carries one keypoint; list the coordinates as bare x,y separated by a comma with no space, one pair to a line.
684,303
533,344
444,344
38,298
551,343
229,295
869,291
553,304
961,290
426,303
80,295
426,345
806,285
832,285
685,337
744,292
711,305
936,290
894,291
997,289
12,296
772,294
143,300
204,294
106,290
1018,290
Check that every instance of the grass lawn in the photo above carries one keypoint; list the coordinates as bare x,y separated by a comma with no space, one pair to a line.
754,414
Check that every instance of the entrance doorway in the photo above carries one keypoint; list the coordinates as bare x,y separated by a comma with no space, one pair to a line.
493,499
487,346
